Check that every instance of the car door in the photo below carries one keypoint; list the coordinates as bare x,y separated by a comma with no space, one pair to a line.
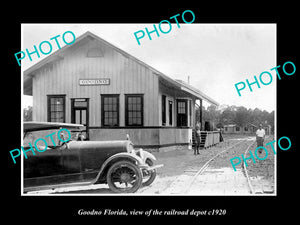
43,168
55,165
71,162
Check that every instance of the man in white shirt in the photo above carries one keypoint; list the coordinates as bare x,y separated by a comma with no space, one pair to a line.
260,136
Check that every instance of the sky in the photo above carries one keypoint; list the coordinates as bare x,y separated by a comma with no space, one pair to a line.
214,56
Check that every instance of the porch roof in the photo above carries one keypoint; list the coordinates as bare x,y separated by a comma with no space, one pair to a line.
197,93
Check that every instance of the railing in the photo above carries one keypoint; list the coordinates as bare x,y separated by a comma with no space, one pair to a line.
211,138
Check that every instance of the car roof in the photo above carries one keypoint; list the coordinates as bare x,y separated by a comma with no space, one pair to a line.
35,126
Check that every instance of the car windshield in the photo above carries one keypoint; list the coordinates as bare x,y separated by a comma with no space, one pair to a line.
50,136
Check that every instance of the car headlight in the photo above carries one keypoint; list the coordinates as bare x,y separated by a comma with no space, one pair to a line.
130,148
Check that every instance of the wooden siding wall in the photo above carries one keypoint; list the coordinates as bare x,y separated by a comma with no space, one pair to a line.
126,77
173,95
150,137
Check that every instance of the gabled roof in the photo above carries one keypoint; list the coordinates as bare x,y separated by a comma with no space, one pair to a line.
59,55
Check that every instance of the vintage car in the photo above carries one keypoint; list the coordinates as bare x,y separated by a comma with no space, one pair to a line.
78,162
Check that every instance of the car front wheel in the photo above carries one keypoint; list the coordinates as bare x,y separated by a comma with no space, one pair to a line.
124,177
149,176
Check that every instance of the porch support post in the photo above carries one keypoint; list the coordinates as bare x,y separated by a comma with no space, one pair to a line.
200,119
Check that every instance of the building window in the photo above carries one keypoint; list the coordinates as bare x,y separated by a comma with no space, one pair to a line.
170,112
56,108
134,107
163,109
237,129
110,110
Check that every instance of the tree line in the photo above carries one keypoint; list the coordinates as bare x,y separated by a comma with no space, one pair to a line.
239,115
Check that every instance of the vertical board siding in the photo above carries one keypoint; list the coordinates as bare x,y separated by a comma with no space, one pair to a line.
127,76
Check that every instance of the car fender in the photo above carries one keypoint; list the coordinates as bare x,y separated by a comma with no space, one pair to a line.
146,155
122,155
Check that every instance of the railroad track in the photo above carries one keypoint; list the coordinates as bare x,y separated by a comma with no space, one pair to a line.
216,176
189,182
244,168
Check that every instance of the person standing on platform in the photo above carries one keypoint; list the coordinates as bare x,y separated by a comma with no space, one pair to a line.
260,137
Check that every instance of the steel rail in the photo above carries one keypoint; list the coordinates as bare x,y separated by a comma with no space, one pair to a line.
204,167
199,171
246,172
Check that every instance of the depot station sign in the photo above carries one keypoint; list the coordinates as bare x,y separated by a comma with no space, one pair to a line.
92,82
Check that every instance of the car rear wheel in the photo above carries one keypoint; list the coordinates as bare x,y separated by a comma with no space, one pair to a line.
124,177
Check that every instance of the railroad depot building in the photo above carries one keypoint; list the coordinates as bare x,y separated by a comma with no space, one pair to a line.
111,93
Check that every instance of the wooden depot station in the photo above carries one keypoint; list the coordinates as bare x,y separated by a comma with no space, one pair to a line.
112,93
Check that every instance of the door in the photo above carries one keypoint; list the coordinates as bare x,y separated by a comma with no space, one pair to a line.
51,166
181,112
80,114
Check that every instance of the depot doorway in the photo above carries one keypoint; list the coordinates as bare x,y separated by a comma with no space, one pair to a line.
80,114
182,117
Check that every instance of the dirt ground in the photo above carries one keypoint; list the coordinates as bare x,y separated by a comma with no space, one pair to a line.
177,161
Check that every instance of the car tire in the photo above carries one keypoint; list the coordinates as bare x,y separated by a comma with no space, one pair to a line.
126,173
147,181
